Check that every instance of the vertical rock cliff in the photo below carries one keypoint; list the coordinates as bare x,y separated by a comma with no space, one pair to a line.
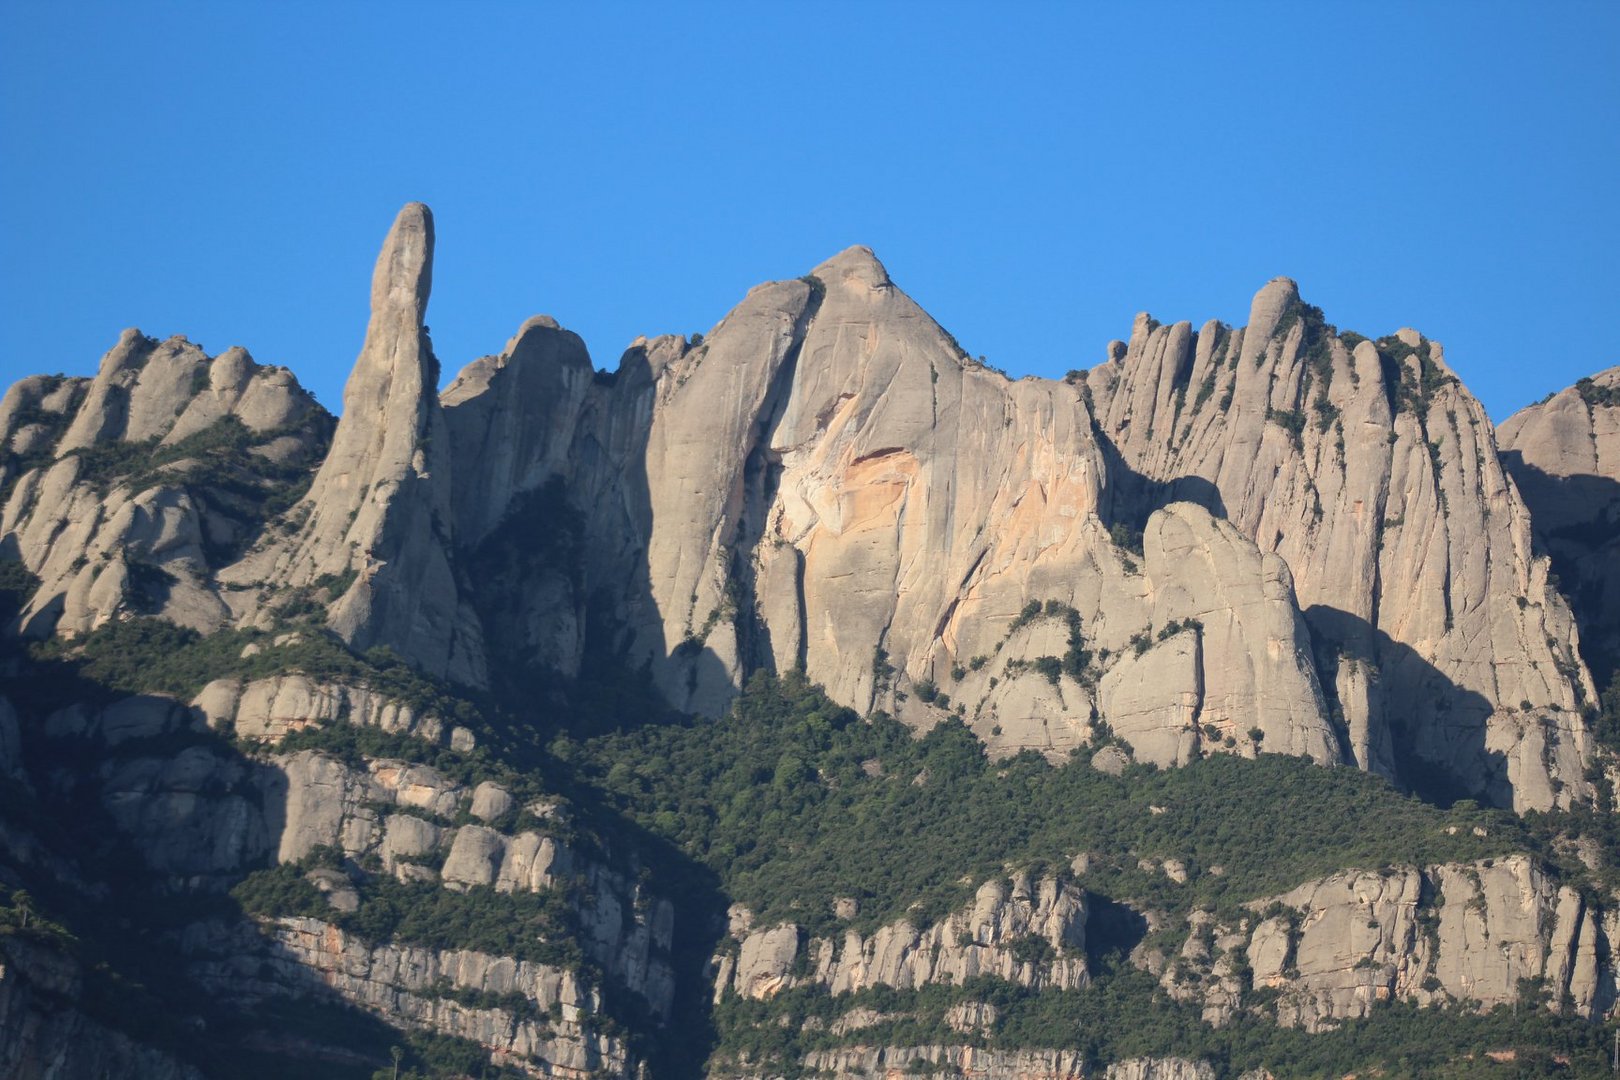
1372,471
827,482
1273,540
1564,454
377,530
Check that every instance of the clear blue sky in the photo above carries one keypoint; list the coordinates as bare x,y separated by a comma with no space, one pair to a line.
1033,176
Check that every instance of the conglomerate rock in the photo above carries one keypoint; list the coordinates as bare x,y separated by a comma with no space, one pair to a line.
826,481
1337,947
1373,472
378,514
1564,455
106,531
981,939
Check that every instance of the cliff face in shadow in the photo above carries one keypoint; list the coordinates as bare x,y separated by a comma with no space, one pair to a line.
1564,454
292,848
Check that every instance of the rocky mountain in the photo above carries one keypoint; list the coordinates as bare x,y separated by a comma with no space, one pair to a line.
1564,455
197,442
1372,472
517,728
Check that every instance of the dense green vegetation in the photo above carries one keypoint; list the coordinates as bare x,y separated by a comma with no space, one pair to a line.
1604,719
537,926
790,801
149,655
22,918
1125,1014
793,801
1596,395
17,584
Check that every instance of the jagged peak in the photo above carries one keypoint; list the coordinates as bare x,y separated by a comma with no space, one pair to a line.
531,340
1269,305
400,284
540,329
1282,288
855,263
545,322
404,273
128,336
388,398
130,350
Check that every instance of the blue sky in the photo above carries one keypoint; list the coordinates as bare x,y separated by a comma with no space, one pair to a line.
1032,176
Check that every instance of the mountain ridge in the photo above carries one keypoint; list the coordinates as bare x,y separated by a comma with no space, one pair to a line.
443,654
727,484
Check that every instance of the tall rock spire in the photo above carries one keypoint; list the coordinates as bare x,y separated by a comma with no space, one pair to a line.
379,518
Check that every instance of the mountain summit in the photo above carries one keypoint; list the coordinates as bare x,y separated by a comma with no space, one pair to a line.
527,715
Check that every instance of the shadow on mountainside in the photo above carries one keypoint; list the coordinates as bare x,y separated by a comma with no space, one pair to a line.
762,475
1435,729
585,548
1577,523
141,829
1113,930
565,575
1130,498
624,628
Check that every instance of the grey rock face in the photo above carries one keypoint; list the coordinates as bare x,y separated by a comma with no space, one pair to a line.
108,533
379,513
512,420
374,530
328,803
407,986
1343,944
879,1062
47,1036
193,812
1160,1069
200,818
1377,480
828,482
267,710
882,1062
980,939
1564,455
1243,664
